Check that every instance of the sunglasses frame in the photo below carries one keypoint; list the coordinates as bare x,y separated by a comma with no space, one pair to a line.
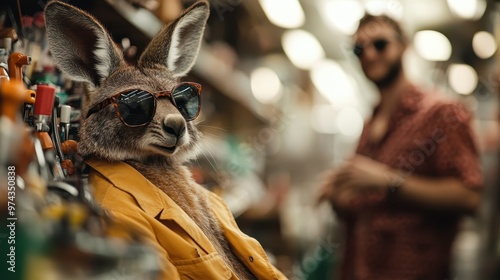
167,93
362,48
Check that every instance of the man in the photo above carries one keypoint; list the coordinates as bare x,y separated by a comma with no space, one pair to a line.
415,172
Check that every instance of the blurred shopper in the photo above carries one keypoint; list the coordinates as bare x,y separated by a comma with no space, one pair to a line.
415,173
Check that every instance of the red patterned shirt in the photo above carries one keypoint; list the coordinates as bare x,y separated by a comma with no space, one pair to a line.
428,137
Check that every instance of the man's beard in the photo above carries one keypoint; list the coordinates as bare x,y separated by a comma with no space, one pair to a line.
391,75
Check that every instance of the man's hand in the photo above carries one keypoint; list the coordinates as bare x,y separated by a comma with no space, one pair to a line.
357,177
340,198
362,174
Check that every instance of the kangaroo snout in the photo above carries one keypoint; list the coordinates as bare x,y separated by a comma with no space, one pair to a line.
174,125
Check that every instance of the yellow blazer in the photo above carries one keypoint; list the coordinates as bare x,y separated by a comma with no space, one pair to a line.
186,253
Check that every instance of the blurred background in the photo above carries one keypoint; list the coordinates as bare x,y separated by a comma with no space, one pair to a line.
284,100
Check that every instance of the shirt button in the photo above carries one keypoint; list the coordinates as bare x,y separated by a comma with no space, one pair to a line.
251,259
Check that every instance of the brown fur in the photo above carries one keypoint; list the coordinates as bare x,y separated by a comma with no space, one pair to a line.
83,49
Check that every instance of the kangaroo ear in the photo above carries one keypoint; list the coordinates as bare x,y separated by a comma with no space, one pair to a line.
80,45
177,45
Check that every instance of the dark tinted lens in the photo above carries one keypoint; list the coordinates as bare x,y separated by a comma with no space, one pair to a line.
136,107
187,100
380,44
358,50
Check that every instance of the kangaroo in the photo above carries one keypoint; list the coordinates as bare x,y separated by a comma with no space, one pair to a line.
160,147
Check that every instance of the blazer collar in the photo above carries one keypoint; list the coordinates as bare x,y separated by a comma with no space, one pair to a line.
128,179
149,197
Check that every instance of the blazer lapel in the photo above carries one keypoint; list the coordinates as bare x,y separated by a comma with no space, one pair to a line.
150,198
174,213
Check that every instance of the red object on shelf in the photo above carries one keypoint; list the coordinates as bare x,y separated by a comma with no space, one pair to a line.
44,100
27,21
39,19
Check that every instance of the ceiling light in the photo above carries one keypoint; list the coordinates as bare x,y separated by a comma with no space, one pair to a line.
286,14
462,78
349,122
376,7
395,9
484,44
266,85
302,48
343,15
392,8
432,45
468,9
333,83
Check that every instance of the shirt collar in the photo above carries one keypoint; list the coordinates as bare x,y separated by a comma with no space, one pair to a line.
409,102
411,99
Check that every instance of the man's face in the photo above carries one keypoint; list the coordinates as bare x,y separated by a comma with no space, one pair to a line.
380,51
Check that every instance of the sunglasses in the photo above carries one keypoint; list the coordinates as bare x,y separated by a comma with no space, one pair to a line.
137,107
378,44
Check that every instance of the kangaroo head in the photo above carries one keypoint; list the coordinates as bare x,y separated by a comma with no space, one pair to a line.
84,50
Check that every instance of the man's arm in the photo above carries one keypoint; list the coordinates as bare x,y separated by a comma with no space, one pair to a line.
443,194
362,175
455,160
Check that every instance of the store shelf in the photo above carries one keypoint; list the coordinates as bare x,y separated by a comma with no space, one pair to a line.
141,18
231,82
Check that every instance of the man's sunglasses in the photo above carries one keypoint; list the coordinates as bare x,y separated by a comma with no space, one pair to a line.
137,107
378,44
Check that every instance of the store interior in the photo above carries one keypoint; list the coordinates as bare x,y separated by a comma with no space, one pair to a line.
284,100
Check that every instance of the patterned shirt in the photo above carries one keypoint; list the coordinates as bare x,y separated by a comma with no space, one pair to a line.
386,240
